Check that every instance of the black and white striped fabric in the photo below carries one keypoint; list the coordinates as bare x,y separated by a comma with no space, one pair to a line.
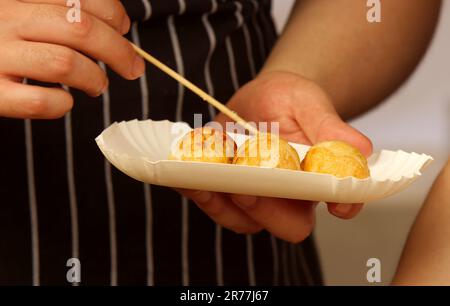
60,199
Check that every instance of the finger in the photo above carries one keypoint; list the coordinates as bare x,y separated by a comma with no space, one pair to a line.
111,12
333,128
287,219
22,101
220,208
320,122
53,63
91,36
321,125
344,211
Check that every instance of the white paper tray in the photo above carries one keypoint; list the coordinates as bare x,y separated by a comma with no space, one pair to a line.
140,149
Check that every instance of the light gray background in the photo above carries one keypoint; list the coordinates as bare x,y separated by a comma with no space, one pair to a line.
416,118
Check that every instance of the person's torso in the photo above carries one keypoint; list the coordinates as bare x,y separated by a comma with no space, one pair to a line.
61,199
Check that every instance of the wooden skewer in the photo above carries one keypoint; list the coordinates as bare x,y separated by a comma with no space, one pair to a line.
196,90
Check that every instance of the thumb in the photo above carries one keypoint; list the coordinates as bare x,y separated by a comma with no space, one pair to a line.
317,117
333,128
320,122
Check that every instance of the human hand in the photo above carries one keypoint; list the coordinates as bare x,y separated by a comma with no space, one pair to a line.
306,115
38,42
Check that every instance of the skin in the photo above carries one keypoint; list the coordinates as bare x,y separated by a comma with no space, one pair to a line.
425,256
311,80
356,62
37,42
306,115
329,65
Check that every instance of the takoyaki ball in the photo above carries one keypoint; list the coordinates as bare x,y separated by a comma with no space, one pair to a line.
205,144
337,158
267,150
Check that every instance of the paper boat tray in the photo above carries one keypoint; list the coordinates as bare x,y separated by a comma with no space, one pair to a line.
140,149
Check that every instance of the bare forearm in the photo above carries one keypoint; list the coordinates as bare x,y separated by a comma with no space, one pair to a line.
426,257
358,63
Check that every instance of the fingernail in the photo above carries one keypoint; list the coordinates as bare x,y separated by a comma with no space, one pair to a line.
126,25
343,209
104,88
244,201
138,67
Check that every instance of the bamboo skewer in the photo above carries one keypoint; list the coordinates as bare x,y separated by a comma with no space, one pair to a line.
195,89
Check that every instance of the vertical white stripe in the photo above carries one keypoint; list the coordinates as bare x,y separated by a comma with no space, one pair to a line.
266,21
32,203
304,266
182,6
219,256
276,261
110,192
147,189
143,79
259,34
185,241
212,113
180,66
250,260
296,280
236,86
284,259
148,9
71,185
249,239
149,235
212,47
179,117
238,14
232,62
252,67
249,47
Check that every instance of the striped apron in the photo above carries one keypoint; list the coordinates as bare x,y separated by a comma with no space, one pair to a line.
60,199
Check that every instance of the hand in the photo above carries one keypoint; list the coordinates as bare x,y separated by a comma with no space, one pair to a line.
306,115
38,42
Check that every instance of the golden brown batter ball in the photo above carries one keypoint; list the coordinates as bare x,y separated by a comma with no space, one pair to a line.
337,158
261,150
205,145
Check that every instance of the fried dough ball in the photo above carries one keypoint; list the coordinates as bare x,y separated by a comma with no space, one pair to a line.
205,144
261,150
337,158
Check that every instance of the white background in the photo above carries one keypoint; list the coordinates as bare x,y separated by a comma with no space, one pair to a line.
416,118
